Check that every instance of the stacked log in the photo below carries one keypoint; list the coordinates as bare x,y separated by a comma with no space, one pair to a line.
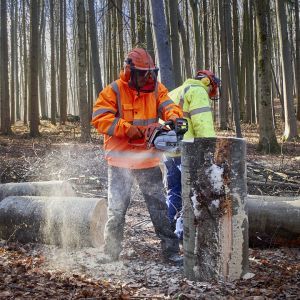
65,221
42,188
273,221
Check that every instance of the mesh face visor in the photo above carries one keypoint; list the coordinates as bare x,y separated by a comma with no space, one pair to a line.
143,80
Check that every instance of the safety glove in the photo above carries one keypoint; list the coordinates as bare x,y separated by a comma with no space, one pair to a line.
134,133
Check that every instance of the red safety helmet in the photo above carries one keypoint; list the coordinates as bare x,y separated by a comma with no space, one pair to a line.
140,71
214,81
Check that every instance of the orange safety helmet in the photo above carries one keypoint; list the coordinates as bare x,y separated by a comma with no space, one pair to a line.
140,71
214,81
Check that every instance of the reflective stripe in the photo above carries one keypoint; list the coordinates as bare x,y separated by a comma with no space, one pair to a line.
186,89
115,88
134,155
164,104
181,101
111,129
101,111
144,122
200,110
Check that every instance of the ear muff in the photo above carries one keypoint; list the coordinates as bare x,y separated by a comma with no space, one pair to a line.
205,81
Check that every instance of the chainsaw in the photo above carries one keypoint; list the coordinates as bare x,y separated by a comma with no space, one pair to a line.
163,137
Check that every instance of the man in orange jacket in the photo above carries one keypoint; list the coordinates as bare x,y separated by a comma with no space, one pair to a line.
122,112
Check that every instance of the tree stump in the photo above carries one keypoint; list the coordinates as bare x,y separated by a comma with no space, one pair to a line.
66,221
215,222
41,188
273,221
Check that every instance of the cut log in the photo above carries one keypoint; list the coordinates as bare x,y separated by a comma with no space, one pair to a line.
42,188
215,222
66,221
273,221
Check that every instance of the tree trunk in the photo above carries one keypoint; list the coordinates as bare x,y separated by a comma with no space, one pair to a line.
267,138
66,221
273,221
34,67
41,188
5,107
94,47
196,28
175,46
215,222
82,64
63,62
207,48
13,63
233,82
132,23
224,97
290,125
162,43
185,46
297,29
25,64
52,65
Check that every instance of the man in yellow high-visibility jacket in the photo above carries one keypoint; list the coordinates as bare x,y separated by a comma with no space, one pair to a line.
194,96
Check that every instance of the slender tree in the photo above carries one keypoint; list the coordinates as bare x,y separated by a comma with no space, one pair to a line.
162,43
82,64
297,49
290,124
267,137
5,107
34,65
94,47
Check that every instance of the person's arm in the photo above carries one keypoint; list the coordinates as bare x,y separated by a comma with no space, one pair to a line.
105,118
200,112
167,109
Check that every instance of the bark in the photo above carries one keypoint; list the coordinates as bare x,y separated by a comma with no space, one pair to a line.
66,221
25,63
273,221
82,64
63,62
5,107
290,128
94,47
162,43
207,49
233,81
224,97
52,65
34,67
196,28
175,46
132,23
267,138
41,188
13,63
185,46
297,49
150,45
215,222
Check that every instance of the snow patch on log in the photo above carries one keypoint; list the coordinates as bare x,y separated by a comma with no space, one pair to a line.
215,175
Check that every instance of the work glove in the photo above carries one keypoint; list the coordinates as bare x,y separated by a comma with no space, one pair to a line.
134,133
171,121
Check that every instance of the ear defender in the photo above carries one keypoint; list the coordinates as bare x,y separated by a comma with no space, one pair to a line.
205,81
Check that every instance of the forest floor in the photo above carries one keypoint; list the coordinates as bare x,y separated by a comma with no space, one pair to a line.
35,271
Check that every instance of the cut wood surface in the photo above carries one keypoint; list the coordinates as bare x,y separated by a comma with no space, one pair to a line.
66,221
273,221
40,188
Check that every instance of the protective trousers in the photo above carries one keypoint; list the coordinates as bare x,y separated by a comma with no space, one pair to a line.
174,201
120,181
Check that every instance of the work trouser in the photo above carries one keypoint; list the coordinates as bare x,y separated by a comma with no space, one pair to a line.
120,181
173,176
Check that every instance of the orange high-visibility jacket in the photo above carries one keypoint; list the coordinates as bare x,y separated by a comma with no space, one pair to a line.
116,108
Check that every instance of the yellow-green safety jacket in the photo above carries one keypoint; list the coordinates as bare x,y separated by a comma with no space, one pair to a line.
193,98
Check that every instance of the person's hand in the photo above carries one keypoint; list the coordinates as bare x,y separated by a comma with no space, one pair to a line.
134,133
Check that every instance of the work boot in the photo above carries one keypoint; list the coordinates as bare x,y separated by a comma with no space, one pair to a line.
106,259
175,259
